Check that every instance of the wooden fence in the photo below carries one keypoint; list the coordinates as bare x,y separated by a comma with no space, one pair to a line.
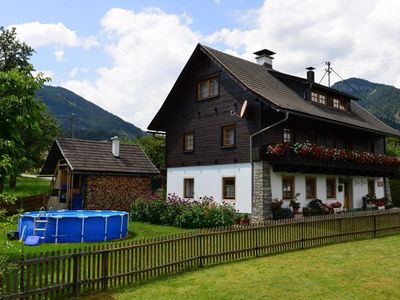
99,267
27,203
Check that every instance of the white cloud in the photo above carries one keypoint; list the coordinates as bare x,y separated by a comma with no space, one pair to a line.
147,49
59,54
46,73
38,34
76,71
359,37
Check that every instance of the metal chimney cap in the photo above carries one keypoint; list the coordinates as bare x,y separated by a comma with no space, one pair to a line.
310,68
264,52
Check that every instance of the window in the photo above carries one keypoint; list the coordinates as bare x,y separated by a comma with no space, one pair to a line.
339,103
331,187
188,141
287,136
188,188
228,188
287,187
319,98
311,188
371,186
228,136
207,88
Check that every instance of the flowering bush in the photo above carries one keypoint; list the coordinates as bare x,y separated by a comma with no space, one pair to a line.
278,212
177,211
336,204
322,152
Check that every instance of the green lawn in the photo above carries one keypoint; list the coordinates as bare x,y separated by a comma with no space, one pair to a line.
136,230
365,269
28,187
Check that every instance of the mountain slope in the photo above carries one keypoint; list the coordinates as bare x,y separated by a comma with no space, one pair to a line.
381,100
90,121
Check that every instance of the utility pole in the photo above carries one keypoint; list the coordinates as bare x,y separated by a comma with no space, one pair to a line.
72,125
328,70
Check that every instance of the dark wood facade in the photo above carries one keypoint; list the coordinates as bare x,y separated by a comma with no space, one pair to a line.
207,117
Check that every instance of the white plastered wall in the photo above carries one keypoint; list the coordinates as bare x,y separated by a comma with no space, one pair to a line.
208,182
359,188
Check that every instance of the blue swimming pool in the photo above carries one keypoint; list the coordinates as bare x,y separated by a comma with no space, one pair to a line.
74,226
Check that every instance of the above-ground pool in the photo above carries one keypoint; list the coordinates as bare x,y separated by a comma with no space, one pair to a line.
74,226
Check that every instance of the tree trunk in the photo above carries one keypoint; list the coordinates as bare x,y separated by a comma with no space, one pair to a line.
12,183
1,184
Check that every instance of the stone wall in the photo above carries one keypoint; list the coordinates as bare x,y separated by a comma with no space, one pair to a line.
262,196
388,192
114,192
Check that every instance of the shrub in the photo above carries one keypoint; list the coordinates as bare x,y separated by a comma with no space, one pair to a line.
181,212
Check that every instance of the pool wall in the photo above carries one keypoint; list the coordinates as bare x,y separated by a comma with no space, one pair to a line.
74,226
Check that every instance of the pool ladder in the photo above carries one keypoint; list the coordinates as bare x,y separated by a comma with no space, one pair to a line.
42,218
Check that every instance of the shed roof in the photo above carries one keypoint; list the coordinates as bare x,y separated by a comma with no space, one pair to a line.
95,157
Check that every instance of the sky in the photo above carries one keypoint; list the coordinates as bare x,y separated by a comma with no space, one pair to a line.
125,55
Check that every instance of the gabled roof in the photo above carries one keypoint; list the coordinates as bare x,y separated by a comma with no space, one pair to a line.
263,83
271,87
94,157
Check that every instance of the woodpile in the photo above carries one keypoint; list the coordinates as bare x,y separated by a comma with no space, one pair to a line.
115,192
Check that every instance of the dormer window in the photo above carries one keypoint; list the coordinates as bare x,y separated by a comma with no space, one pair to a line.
207,88
318,98
339,103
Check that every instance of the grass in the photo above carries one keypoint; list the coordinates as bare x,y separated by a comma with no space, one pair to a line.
365,269
28,187
136,230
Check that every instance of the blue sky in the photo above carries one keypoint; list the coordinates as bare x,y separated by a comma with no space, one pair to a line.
84,18
126,55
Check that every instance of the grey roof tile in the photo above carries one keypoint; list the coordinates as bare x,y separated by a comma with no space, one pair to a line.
262,82
96,157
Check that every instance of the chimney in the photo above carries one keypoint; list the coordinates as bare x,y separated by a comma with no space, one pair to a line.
264,58
115,146
310,74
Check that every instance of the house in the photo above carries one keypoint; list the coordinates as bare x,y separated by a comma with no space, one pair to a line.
224,112
97,175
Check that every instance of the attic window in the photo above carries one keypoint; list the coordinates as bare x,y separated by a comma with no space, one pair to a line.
318,98
340,103
207,88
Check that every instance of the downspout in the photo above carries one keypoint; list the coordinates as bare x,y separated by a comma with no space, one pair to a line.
251,147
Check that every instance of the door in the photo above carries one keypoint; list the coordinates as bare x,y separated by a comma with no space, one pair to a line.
346,195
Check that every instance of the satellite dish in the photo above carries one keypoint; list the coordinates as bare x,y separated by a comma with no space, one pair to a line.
243,109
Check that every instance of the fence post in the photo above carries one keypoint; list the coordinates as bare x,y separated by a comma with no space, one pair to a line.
302,233
104,268
257,243
374,226
22,277
200,249
76,273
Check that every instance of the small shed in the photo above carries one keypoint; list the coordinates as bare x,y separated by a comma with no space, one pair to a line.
97,175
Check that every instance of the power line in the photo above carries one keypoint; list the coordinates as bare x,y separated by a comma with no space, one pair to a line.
359,94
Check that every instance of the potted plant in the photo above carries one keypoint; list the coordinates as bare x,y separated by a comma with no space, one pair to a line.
336,206
238,219
245,220
295,206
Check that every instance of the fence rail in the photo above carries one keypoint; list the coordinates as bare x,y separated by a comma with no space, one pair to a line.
99,267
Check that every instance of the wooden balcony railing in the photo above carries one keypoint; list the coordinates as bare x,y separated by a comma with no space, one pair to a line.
292,162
